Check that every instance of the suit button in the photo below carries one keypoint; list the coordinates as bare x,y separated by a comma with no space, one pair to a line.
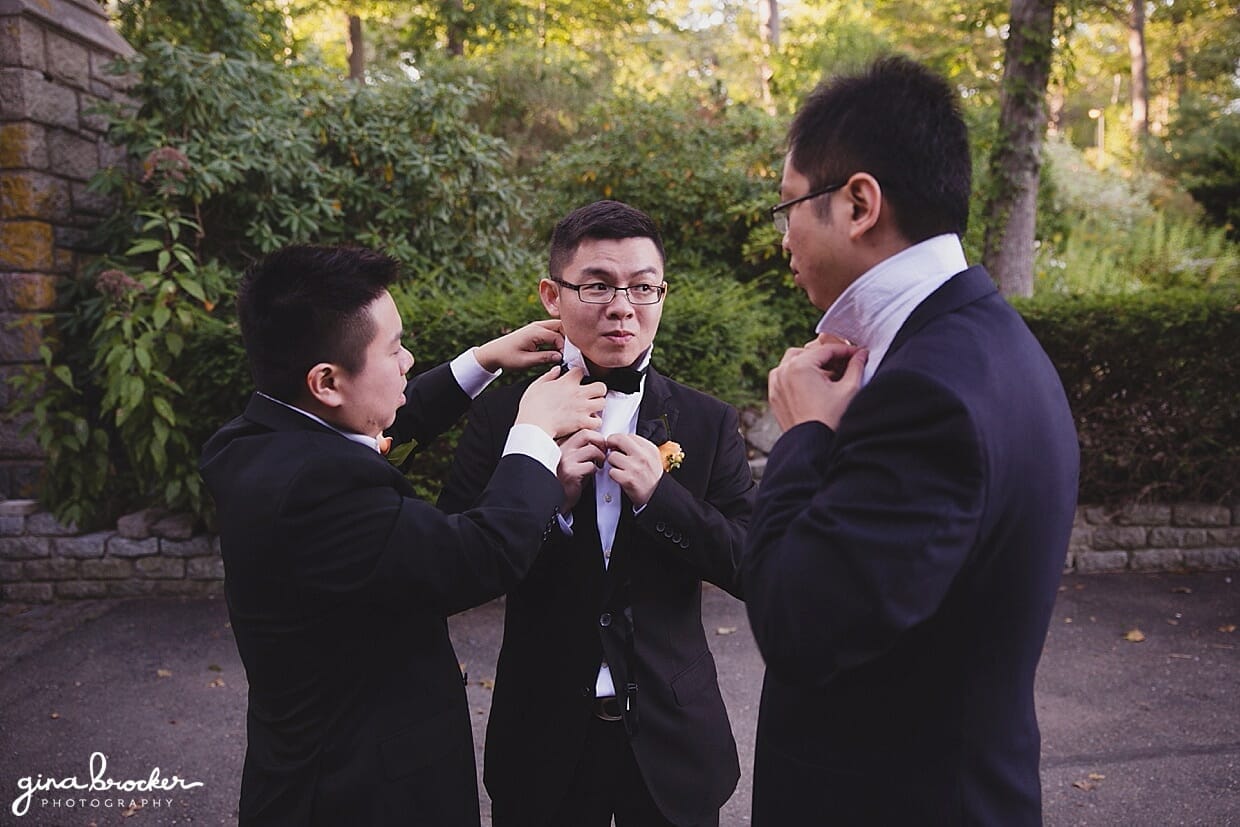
604,619
660,526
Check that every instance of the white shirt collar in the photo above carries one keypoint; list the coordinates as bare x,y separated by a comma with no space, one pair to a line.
574,358
871,310
368,441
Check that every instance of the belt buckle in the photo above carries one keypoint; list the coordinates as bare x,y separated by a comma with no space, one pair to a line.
607,709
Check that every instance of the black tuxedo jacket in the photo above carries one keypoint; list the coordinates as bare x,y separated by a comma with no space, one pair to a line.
338,581
900,574
643,613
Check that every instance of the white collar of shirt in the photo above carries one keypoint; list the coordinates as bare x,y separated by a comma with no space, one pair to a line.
574,359
369,441
871,310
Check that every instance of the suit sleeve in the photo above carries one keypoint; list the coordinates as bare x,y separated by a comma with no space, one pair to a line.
858,535
359,536
708,534
477,453
433,403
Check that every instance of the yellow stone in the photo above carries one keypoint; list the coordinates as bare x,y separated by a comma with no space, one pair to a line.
26,245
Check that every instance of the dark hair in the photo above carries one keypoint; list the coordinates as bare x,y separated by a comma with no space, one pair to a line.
600,220
901,123
306,304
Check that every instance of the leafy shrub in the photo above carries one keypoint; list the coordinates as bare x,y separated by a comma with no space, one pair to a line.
1114,234
230,158
703,175
1151,378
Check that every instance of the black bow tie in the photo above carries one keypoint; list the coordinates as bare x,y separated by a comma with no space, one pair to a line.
624,380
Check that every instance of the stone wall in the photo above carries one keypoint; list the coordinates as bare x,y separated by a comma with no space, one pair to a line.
53,59
1155,538
151,553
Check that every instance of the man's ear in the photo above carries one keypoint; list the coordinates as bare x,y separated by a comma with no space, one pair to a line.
865,198
549,293
323,384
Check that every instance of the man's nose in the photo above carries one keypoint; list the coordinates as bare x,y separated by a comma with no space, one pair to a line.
620,304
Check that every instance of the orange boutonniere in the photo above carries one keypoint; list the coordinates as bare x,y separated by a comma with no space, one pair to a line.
673,455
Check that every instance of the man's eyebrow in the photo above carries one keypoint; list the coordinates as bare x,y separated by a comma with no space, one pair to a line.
600,272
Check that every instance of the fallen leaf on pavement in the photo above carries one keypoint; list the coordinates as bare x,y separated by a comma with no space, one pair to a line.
1181,590
486,684
163,673
1087,786
54,716
216,684
1096,776
725,630
1134,636
1227,627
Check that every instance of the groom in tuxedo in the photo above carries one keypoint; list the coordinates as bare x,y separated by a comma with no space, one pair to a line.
606,697
910,530
337,577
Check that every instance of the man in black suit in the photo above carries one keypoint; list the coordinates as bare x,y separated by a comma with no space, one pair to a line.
910,530
337,578
606,697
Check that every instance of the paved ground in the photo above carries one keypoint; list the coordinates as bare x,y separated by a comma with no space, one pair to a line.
1134,733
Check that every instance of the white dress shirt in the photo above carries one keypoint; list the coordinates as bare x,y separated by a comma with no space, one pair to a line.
619,417
871,310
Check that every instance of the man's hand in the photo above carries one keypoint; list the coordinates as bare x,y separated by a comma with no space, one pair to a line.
561,406
538,343
636,465
815,383
580,456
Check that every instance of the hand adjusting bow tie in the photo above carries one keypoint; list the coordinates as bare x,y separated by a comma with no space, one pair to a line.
624,380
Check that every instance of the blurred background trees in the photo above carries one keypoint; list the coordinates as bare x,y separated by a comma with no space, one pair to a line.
453,133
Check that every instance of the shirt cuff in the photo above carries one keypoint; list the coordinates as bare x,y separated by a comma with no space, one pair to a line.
566,523
534,443
471,376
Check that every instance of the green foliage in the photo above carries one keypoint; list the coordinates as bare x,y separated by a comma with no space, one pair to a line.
1151,378
702,174
1203,152
233,157
235,27
1109,233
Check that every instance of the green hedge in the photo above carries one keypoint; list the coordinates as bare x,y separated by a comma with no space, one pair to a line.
1154,383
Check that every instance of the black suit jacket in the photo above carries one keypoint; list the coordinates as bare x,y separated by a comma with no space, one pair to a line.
643,613
900,574
338,581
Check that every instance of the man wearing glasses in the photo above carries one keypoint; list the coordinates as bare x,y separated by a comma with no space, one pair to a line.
606,697
908,539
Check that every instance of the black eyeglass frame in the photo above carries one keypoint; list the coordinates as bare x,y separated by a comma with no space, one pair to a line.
779,212
660,289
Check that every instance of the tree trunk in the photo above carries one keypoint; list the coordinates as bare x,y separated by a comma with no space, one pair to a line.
1140,77
456,27
357,50
768,34
1016,160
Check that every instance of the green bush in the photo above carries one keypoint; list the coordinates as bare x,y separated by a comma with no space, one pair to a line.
703,175
1151,378
231,158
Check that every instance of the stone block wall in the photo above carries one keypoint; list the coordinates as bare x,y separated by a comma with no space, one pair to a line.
53,72
1176,537
149,553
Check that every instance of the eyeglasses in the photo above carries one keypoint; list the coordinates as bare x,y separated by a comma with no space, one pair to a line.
779,212
599,293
